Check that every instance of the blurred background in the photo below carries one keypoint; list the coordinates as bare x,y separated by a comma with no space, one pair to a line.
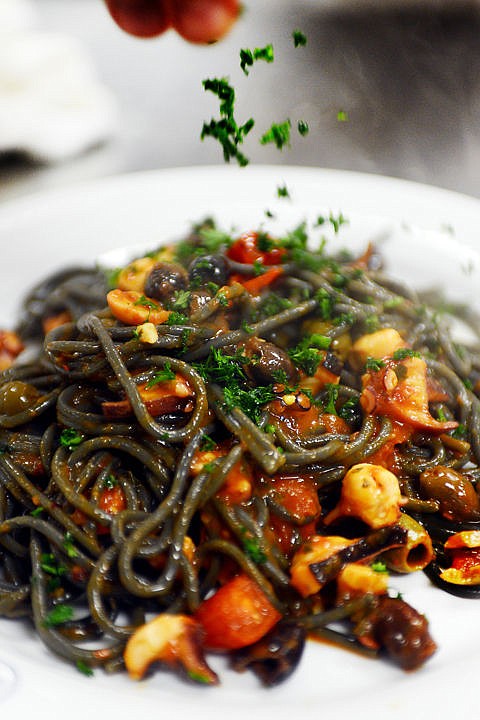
386,87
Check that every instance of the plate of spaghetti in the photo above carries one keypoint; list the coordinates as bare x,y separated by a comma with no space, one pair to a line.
239,445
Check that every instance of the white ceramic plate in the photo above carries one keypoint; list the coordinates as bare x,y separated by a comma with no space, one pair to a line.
429,236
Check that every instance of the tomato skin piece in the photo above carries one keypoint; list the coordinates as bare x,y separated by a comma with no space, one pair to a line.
237,615
246,250
204,21
141,18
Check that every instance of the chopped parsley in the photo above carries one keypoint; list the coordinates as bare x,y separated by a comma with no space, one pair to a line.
307,354
250,401
208,443
248,57
342,116
404,353
349,410
110,482
58,616
332,396
299,38
181,300
379,567
278,134
176,318
146,302
274,304
227,371
253,550
68,545
226,130
374,364
51,566
84,668
163,375
70,438
325,303
303,128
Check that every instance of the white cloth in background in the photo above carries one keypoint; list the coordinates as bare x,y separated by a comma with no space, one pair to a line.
52,104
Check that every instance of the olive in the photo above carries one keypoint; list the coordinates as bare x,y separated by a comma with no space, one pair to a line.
208,268
274,657
268,363
165,280
454,492
17,396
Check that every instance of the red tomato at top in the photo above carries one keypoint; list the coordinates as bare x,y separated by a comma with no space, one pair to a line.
143,18
204,21
198,21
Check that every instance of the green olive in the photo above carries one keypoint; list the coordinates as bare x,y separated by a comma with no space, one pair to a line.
17,396
455,493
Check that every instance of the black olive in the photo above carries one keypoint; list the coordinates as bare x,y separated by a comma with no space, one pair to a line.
269,363
165,280
273,658
208,268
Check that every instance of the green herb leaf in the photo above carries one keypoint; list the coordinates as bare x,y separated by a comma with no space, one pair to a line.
303,128
161,376
84,668
374,364
299,38
278,134
68,544
58,616
404,353
226,130
248,57
70,438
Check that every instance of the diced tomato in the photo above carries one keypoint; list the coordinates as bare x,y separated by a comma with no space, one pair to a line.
246,250
297,495
112,500
53,321
237,615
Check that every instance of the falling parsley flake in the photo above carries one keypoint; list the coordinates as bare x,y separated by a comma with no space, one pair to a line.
283,192
248,57
342,116
299,38
226,130
302,127
278,134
